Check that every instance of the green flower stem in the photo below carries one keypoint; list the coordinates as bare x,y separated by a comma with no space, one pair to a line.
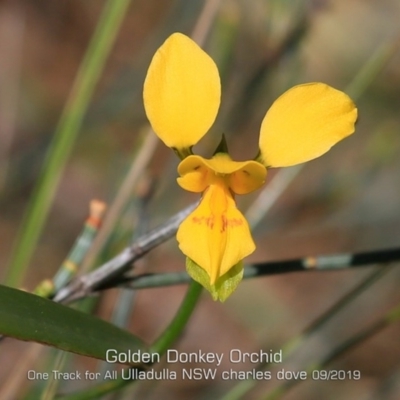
160,346
174,329
64,138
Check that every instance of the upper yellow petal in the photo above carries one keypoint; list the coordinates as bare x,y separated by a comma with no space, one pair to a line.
304,123
216,235
181,92
241,177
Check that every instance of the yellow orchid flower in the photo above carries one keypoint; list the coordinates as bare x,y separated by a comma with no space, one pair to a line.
182,94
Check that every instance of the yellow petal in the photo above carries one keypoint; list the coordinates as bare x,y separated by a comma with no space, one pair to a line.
181,92
216,235
242,177
248,178
304,123
196,181
195,174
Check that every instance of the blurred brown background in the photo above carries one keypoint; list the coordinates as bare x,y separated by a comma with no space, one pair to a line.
346,201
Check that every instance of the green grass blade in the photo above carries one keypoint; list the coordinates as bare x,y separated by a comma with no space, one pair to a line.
65,136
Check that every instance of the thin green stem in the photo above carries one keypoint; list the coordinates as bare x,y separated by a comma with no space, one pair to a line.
370,70
64,138
388,318
179,322
295,343
50,387
160,346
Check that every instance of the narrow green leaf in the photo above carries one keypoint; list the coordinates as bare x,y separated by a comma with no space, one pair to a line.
29,317
64,137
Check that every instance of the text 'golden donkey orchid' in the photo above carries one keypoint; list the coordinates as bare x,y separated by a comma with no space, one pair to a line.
182,94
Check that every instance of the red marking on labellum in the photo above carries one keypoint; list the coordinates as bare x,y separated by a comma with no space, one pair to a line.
230,223
225,222
209,221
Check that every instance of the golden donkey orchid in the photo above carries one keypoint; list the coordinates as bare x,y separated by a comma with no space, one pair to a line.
182,94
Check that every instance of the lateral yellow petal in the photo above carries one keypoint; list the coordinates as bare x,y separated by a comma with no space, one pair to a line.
195,181
181,92
216,235
190,164
304,123
195,175
248,178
